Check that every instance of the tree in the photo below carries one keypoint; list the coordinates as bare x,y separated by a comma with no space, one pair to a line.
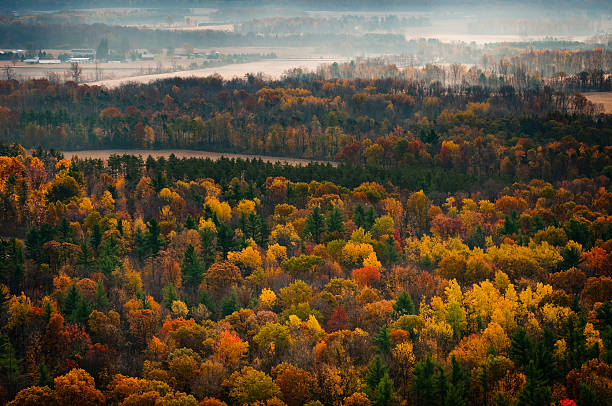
572,255
459,383
102,301
295,383
338,320
62,189
12,259
359,216
315,225
188,48
9,72
192,268
249,386
9,364
75,72
403,304
357,399
440,385
77,388
295,293
424,384
382,340
44,376
376,371
229,304
273,337
384,391
587,396
511,225
72,300
535,392
82,311
230,349
221,276
95,239
403,360
153,238
208,248
335,222
34,396
190,223
225,238
476,238
102,49
366,276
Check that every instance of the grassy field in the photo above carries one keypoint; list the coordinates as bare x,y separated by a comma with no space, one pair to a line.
273,69
288,57
604,98
184,153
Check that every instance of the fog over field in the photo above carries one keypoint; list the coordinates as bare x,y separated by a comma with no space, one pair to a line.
154,37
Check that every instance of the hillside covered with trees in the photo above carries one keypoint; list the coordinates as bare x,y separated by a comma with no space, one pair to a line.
457,252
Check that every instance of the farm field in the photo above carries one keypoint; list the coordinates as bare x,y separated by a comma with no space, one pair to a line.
289,57
104,154
604,98
273,69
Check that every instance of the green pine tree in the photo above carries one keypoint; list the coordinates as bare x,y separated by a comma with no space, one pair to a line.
102,301
207,238
192,268
335,222
403,304
359,216
140,244
169,295
369,218
71,301
225,238
376,371
229,304
190,223
96,235
315,225
153,238
82,311
476,238
44,376
440,385
424,384
535,392
382,340
391,256
9,365
384,391
587,396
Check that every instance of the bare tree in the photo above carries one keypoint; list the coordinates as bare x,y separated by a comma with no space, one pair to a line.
75,72
9,72
97,71
53,77
457,72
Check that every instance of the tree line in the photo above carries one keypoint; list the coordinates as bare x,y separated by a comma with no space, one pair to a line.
148,282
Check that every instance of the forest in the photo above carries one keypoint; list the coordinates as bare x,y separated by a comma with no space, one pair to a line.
456,250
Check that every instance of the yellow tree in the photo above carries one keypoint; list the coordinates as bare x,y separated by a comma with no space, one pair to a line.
77,387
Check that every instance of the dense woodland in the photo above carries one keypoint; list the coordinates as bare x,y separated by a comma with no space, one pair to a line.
457,252
344,23
467,120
